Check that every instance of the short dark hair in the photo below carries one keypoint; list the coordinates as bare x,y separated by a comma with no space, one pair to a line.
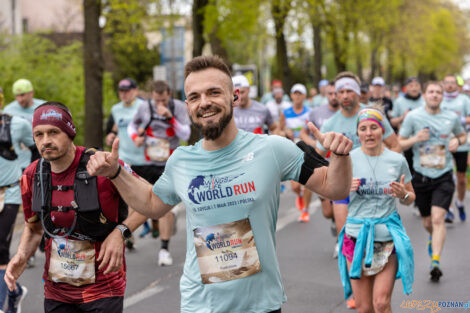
349,75
331,83
450,75
55,104
204,62
432,82
160,86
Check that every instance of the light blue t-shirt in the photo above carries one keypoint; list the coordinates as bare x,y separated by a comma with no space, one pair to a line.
461,106
432,158
207,182
15,109
348,127
20,131
269,97
319,100
374,197
403,104
122,116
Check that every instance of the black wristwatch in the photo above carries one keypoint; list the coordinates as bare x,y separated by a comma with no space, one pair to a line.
125,231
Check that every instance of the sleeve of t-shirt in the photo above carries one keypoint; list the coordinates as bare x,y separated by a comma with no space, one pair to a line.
269,117
388,129
26,133
26,184
396,109
288,157
164,187
406,129
405,170
458,128
181,113
467,106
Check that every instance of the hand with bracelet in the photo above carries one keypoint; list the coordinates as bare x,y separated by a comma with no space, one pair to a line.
337,143
400,191
454,143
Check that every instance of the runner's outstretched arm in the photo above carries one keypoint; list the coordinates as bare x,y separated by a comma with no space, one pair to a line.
332,182
29,242
136,192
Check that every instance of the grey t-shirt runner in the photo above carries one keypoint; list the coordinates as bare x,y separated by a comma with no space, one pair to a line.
320,114
253,118
160,127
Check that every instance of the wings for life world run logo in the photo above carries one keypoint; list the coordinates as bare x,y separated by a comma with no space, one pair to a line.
370,187
218,241
207,188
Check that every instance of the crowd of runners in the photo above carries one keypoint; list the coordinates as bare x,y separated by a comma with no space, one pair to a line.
358,147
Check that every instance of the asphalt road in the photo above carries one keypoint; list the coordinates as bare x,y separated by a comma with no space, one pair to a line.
310,274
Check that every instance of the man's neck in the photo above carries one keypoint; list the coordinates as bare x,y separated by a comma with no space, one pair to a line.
332,108
62,164
28,105
351,113
129,104
432,110
247,105
298,108
227,137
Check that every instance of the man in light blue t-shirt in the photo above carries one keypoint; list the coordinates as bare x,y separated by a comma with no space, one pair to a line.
430,132
411,100
24,107
344,121
229,182
14,131
121,116
459,104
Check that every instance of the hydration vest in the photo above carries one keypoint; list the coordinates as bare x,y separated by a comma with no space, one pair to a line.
7,151
171,107
89,222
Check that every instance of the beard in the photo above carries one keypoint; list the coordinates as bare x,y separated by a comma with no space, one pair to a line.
214,130
54,149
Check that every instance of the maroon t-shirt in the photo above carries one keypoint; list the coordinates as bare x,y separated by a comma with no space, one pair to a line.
110,285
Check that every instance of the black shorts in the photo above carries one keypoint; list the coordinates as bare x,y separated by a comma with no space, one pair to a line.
150,173
409,159
433,192
104,305
461,161
7,223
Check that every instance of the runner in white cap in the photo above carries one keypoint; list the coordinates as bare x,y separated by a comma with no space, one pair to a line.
251,115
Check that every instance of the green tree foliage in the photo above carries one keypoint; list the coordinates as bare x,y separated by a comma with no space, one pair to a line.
56,74
126,42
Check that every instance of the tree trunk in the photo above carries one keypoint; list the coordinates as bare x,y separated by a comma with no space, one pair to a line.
218,48
198,26
93,66
279,12
317,54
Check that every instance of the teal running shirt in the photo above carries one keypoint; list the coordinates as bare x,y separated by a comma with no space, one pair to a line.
239,181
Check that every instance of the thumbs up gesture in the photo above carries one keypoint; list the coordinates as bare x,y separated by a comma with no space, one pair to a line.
104,163
337,143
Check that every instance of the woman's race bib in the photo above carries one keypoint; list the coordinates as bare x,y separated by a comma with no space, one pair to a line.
432,156
157,149
72,262
382,251
226,251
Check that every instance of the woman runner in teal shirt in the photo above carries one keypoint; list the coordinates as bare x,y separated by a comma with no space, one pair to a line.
373,226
